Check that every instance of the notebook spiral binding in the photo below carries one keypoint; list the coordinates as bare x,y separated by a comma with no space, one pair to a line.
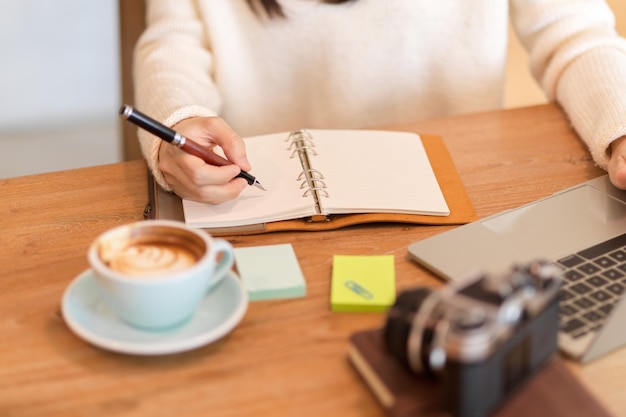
311,180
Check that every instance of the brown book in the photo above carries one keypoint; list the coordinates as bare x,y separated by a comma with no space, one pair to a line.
554,391
164,205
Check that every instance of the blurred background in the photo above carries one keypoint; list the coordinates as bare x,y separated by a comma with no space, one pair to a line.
60,83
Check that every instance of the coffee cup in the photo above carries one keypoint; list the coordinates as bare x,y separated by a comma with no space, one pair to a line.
153,274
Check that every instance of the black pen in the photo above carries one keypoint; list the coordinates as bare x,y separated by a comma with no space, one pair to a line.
171,136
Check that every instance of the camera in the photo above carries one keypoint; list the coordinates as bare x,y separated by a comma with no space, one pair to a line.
482,337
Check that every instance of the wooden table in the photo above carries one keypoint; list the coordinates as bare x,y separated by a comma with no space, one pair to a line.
286,358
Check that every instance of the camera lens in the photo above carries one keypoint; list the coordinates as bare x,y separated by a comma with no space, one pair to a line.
400,321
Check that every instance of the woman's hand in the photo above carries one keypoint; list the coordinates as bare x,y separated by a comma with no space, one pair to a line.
617,163
192,178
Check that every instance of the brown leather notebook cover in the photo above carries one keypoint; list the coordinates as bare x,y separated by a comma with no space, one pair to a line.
554,391
164,205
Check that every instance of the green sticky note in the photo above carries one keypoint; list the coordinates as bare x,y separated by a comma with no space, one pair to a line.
270,272
363,283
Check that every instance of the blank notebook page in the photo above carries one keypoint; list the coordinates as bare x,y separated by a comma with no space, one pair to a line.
273,167
376,171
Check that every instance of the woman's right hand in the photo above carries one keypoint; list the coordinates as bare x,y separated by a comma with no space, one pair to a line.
192,178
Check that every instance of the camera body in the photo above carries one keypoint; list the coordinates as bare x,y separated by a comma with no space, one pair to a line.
483,336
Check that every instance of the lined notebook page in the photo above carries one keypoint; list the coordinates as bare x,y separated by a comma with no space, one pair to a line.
365,171
377,171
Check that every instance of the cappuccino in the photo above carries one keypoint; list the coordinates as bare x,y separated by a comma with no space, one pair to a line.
151,252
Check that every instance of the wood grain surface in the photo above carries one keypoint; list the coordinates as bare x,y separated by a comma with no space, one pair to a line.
286,358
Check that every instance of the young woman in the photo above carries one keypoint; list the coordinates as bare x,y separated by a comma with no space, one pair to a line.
218,69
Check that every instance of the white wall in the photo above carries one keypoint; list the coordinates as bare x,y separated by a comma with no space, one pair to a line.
59,80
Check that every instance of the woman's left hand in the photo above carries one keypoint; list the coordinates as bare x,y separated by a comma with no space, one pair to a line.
617,163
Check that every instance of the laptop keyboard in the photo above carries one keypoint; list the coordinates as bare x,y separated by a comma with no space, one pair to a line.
594,279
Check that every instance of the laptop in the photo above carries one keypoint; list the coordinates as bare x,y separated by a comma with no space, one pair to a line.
581,229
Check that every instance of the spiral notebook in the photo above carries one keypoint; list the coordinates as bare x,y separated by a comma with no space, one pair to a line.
325,179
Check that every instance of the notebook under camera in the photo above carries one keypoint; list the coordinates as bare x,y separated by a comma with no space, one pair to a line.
582,229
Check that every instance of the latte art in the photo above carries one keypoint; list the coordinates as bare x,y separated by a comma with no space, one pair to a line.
150,259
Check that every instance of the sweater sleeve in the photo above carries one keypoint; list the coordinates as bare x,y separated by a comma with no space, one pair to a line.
580,61
172,70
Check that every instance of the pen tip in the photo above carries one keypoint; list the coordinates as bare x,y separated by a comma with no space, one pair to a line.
258,185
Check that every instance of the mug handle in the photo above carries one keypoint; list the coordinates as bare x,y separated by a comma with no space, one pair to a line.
226,261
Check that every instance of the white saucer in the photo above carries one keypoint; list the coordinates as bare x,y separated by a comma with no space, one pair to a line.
90,318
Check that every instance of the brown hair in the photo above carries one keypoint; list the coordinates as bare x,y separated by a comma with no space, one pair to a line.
273,9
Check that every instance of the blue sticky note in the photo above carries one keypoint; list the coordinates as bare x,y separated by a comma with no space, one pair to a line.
270,272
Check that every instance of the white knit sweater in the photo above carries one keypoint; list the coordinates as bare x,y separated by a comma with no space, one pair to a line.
374,62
